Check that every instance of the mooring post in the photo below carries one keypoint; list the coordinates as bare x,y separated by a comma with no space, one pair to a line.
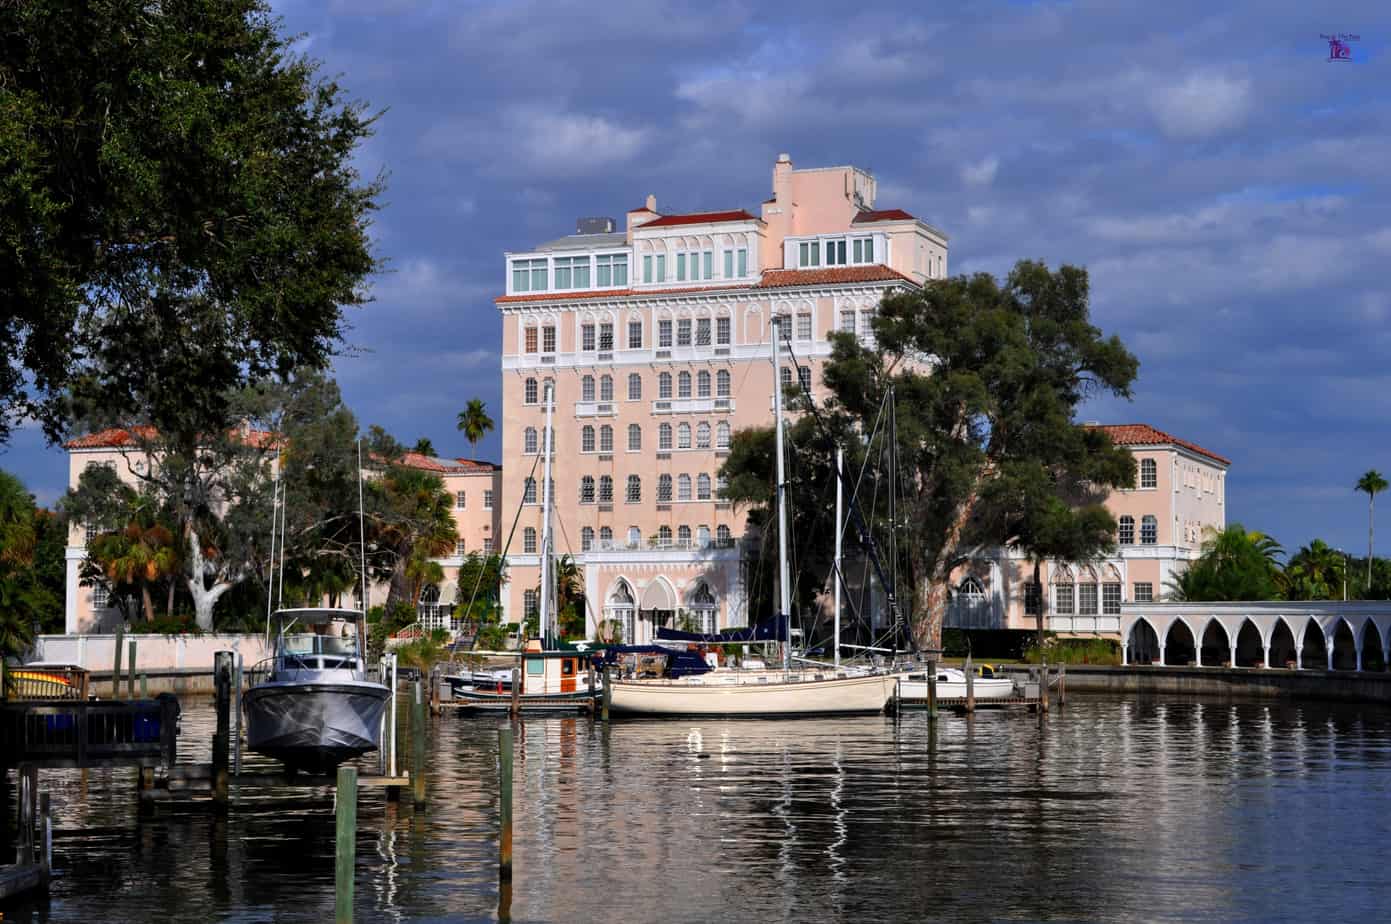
504,841
970,673
144,686
116,671
418,748
516,692
130,673
222,678
608,689
46,829
1062,684
593,691
345,849
1043,687
236,735
932,689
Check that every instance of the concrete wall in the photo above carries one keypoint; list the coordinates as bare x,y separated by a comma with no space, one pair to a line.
1230,683
155,654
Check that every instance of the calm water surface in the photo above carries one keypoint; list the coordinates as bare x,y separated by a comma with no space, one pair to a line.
1108,810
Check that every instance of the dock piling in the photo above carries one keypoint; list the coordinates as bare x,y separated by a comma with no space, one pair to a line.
130,673
236,734
970,673
222,677
608,689
418,748
345,849
516,692
1043,687
1062,684
932,689
116,670
504,755
46,828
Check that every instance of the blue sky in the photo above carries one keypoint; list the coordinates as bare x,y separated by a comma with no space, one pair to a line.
1226,186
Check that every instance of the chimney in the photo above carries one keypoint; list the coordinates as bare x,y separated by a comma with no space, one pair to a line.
777,212
642,216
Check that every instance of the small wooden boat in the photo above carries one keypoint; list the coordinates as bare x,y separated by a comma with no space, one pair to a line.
551,681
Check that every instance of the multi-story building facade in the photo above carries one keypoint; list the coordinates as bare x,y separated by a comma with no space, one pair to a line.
475,488
656,339
1180,491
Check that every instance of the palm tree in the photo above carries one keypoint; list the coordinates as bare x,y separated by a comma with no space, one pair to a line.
474,421
1314,572
1371,484
139,554
424,447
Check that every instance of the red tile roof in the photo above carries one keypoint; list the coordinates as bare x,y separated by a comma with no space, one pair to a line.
1145,435
445,466
120,437
700,218
829,275
642,208
881,215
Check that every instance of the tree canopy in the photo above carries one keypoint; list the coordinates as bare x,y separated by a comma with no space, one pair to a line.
31,568
180,213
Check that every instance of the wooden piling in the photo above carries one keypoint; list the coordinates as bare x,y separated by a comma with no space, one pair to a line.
516,692
345,849
144,687
1062,684
418,748
970,673
236,705
608,689
504,754
130,673
222,677
116,670
46,830
932,689
593,692
1043,687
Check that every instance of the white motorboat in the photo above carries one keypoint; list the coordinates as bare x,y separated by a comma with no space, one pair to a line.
312,707
951,684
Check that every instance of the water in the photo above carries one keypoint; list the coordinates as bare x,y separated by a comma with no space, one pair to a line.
1109,810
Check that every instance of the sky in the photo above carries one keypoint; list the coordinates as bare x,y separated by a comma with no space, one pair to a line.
1225,184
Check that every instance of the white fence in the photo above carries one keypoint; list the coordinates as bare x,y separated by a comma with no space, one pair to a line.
153,652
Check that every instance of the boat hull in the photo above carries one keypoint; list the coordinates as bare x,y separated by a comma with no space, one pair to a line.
985,688
697,697
527,702
314,725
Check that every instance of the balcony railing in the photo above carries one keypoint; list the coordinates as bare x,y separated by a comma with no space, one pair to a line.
693,406
594,409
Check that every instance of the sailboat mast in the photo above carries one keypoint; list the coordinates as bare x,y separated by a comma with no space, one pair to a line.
362,529
784,592
270,567
546,538
840,494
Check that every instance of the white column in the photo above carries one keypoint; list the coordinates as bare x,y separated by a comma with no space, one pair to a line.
1328,651
1267,655
1125,654
1161,652
1232,660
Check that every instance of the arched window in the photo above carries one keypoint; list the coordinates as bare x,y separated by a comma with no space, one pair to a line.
1149,530
530,391
634,438
605,537
786,378
683,436
683,487
663,489
1149,474
606,438
722,384
723,538
634,387
529,540
529,491
703,607
664,385
702,435
634,537
971,591
431,613
703,487
529,441
587,388
683,537
722,435
664,436
1125,534
605,489
531,603
703,537
702,384
586,538
620,609
683,385
634,495
634,334
606,388
587,438
587,489
664,537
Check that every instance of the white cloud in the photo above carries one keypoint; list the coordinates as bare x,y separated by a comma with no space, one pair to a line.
981,174
1203,105
536,138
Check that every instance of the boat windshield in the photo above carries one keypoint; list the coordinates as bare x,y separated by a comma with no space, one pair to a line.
333,636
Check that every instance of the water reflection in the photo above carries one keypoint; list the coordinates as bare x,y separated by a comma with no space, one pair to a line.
1103,810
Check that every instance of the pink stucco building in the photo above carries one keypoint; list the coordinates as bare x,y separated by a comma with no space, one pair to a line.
656,338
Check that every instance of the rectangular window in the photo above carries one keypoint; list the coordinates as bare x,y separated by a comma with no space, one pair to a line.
729,264
99,597
647,269
634,335
804,325
683,332
587,337
862,250
804,379
810,252
531,339
664,335
702,332
743,263
487,498
635,387
459,550
835,253
1032,599
1063,599
459,500
680,267
562,272
847,322
528,275
548,339
866,325
611,270
606,337
488,545
1111,599
1144,592
708,264
1086,599
722,331
661,267
538,276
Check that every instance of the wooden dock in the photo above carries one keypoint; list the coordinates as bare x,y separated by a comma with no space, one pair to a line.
72,734
191,781
958,704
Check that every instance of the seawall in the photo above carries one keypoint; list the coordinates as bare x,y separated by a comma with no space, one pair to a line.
1230,683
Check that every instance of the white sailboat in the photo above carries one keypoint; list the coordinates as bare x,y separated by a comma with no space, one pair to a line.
760,693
